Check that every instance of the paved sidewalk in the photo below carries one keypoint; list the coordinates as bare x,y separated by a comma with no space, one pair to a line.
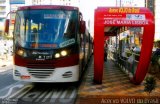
6,64
116,85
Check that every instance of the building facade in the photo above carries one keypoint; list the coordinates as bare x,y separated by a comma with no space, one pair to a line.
10,5
154,6
130,3
157,19
4,9
56,2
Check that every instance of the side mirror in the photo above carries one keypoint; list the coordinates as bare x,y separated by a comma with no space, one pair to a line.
82,27
6,26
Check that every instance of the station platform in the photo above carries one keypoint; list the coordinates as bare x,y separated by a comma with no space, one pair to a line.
115,86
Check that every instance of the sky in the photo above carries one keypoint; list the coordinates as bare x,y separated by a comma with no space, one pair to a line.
87,8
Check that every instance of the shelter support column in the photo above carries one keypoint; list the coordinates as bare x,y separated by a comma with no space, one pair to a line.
145,56
98,53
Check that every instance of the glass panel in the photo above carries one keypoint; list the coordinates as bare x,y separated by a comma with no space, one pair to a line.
46,28
131,41
130,47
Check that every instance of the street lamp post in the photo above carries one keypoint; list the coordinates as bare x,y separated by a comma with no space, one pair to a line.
118,3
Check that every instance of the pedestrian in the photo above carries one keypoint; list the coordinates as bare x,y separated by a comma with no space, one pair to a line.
6,51
136,49
155,60
105,51
156,54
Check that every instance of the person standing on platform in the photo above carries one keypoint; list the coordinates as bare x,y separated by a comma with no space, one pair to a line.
105,51
155,60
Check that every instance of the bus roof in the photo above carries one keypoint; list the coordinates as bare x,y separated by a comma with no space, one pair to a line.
48,7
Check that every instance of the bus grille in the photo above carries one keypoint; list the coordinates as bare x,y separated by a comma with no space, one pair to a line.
41,65
41,73
17,73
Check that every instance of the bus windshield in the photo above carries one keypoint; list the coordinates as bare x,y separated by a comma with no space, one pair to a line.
41,29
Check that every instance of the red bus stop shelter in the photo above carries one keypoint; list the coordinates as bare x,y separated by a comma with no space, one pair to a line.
106,17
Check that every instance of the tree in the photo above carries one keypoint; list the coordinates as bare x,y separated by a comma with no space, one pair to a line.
150,84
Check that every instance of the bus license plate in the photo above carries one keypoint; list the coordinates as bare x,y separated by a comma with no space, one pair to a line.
25,77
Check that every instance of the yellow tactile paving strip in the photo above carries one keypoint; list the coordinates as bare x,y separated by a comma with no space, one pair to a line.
115,83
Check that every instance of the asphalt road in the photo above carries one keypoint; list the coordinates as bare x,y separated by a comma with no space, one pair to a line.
6,79
17,92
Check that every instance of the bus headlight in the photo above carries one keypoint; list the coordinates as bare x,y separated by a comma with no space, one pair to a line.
63,53
57,55
21,53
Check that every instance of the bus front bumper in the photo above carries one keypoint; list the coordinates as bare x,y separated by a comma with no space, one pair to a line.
64,74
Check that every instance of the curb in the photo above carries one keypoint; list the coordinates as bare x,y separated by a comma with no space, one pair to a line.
6,68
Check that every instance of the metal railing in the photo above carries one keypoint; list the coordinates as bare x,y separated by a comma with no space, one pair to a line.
123,62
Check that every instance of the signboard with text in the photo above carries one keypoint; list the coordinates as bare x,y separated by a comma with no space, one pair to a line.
17,1
125,16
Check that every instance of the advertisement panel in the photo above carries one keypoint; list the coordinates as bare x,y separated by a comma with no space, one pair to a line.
125,16
17,1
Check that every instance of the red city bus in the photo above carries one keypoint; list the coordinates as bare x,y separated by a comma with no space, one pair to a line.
51,44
